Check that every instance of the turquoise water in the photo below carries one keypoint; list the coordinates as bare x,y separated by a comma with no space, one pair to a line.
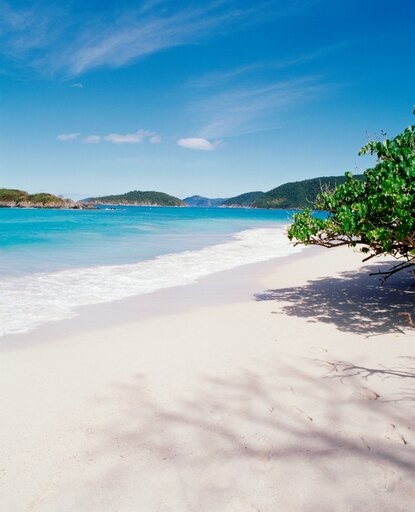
39,240
52,262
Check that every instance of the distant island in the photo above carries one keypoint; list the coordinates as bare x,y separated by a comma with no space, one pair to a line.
289,196
242,201
246,200
14,198
298,194
294,195
203,202
138,198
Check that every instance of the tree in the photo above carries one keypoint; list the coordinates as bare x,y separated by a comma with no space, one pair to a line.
377,215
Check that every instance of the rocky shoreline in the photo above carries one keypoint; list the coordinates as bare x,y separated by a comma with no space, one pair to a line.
64,204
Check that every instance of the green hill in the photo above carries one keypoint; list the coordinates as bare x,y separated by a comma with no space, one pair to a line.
298,194
203,202
13,197
12,194
243,200
138,198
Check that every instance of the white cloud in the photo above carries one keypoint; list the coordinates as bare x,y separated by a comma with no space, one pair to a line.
115,138
78,85
67,136
198,144
92,139
129,138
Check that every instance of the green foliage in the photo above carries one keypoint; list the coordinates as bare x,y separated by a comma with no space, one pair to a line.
377,214
44,199
243,200
298,194
12,194
20,196
137,197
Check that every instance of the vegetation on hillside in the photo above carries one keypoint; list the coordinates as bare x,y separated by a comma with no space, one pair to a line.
243,200
137,197
8,195
44,198
377,214
12,194
203,202
298,194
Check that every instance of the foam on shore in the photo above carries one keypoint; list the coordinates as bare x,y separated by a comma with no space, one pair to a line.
27,302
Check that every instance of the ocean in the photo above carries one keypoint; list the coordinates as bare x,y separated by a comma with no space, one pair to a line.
54,261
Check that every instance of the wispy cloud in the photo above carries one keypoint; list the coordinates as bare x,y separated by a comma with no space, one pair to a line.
77,85
11,19
253,108
92,139
136,35
253,70
29,29
198,143
54,41
155,139
221,78
132,138
65,137
250,98
137,137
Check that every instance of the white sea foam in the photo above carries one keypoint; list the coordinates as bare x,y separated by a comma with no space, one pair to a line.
27,302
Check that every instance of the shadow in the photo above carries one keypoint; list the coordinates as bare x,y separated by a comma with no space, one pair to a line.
406,370
354,302
345,369
253,442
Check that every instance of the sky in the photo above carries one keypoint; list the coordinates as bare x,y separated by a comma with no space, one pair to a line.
214,98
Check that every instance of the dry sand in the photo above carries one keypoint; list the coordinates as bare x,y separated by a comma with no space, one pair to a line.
203,398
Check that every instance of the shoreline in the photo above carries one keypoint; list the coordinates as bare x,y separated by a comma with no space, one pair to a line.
160,302
38,298
285,382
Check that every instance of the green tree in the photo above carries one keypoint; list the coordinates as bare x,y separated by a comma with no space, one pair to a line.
377,215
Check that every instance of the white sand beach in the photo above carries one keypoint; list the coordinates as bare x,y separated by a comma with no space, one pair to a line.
282,386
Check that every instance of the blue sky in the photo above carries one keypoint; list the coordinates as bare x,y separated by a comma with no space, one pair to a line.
213,98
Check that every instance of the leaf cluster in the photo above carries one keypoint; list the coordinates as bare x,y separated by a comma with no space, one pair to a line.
376,214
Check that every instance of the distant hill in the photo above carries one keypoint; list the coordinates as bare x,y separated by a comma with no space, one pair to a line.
14,198
138,198
298,194
203,202
243,200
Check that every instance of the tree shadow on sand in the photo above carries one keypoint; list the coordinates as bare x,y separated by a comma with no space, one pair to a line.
254,441
404,372
354,302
